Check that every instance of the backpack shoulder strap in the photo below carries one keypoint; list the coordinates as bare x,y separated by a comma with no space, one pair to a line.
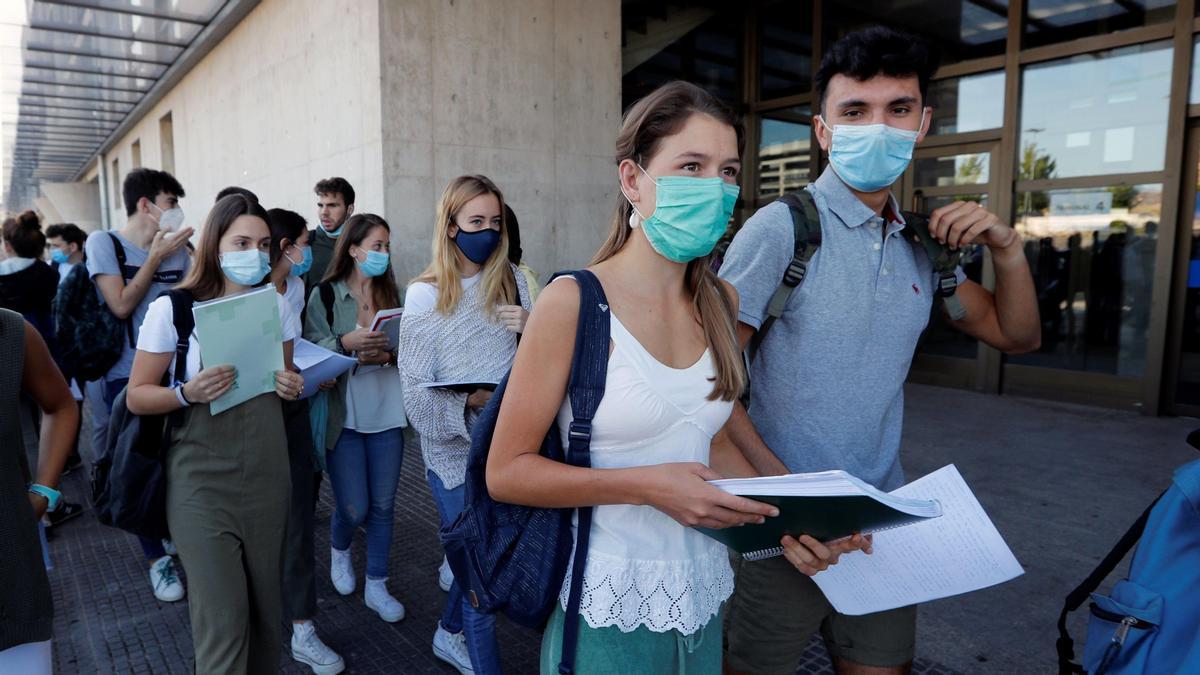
585,389
1065,645
325,288
945,262
185,322
806,230
119,252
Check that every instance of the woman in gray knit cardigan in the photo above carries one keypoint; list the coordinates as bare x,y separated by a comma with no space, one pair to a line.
461,320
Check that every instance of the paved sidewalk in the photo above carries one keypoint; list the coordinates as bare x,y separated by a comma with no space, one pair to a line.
1061,482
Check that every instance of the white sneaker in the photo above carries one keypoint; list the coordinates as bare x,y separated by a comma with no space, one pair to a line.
377,598
341,571
452,648
164,580
308,649
445,575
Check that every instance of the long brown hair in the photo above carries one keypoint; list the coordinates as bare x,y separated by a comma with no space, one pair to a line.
205,279
498,285
663,113
384,292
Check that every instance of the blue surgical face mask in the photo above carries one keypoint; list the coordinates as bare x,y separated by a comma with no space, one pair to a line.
59,257
335,233
375,264
477,246
245,268
306,260
870,157
690,215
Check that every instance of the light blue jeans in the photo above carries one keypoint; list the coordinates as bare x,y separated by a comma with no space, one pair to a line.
459,615
364,470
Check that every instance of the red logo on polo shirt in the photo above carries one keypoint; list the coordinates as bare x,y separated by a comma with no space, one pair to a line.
916,289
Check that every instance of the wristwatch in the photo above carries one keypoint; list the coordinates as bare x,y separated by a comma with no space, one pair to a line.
341,349
53,497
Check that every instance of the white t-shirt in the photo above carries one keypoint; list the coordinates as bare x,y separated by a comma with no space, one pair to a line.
421,296
158,335
294,295
64,270
374,400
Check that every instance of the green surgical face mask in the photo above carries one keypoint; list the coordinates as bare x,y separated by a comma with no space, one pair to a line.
690,215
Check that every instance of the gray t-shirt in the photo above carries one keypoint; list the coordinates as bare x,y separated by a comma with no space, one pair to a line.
827,385
102,259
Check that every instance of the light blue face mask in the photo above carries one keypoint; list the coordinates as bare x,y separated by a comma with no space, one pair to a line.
375,264
245,268
690,215
59,257
870,157
306,260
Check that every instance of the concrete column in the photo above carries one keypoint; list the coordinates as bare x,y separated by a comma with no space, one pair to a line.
526,92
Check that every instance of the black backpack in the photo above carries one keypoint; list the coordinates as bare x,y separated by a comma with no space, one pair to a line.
129,483
90,337
806,226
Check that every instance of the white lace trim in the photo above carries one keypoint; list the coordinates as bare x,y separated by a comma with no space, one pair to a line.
661,595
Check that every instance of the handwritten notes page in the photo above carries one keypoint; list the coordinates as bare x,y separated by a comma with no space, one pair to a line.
957,553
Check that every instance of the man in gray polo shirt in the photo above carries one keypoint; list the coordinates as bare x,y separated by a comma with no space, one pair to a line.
827,382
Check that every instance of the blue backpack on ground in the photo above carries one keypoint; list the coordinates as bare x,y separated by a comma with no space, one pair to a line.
513,558
1150,622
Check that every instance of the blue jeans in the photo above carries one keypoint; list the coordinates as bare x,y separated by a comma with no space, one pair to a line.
364,470
459,614
152,548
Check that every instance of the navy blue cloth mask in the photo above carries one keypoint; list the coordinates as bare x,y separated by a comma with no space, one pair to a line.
477,246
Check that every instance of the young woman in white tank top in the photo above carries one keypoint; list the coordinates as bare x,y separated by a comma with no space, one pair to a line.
653,587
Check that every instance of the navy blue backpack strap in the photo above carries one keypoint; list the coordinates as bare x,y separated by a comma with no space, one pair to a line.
325,288
119,252
185,322
585,389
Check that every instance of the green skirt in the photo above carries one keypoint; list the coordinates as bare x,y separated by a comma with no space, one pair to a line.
609,651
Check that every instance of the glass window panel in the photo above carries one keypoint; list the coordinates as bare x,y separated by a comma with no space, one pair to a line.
680,42
1050,21
101,46
969,103
785,49
88,79
106,108
115,24
192,10
961,29
94,64
1092,255
38,89
1188,388
1194,95
783,154
1096,114
966,169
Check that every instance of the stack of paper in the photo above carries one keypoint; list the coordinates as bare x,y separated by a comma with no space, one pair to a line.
318,365
959,552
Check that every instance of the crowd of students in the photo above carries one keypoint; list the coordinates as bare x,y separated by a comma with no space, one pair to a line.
657,596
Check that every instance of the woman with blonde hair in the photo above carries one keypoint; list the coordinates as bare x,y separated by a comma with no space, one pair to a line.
461,320
653,587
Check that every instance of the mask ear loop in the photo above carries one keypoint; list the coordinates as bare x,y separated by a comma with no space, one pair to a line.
636,218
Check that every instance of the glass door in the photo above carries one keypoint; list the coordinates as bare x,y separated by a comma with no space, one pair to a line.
1181,381
937,177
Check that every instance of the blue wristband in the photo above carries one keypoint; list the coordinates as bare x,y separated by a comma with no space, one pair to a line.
53,497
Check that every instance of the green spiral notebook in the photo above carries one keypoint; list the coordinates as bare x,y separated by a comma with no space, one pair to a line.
826,505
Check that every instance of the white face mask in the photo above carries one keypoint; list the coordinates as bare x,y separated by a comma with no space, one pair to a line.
170,220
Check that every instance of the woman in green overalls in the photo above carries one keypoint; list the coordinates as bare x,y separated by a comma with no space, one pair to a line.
227,476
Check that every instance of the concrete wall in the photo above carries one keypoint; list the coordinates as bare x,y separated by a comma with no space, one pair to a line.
527,92
290,96
77,203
